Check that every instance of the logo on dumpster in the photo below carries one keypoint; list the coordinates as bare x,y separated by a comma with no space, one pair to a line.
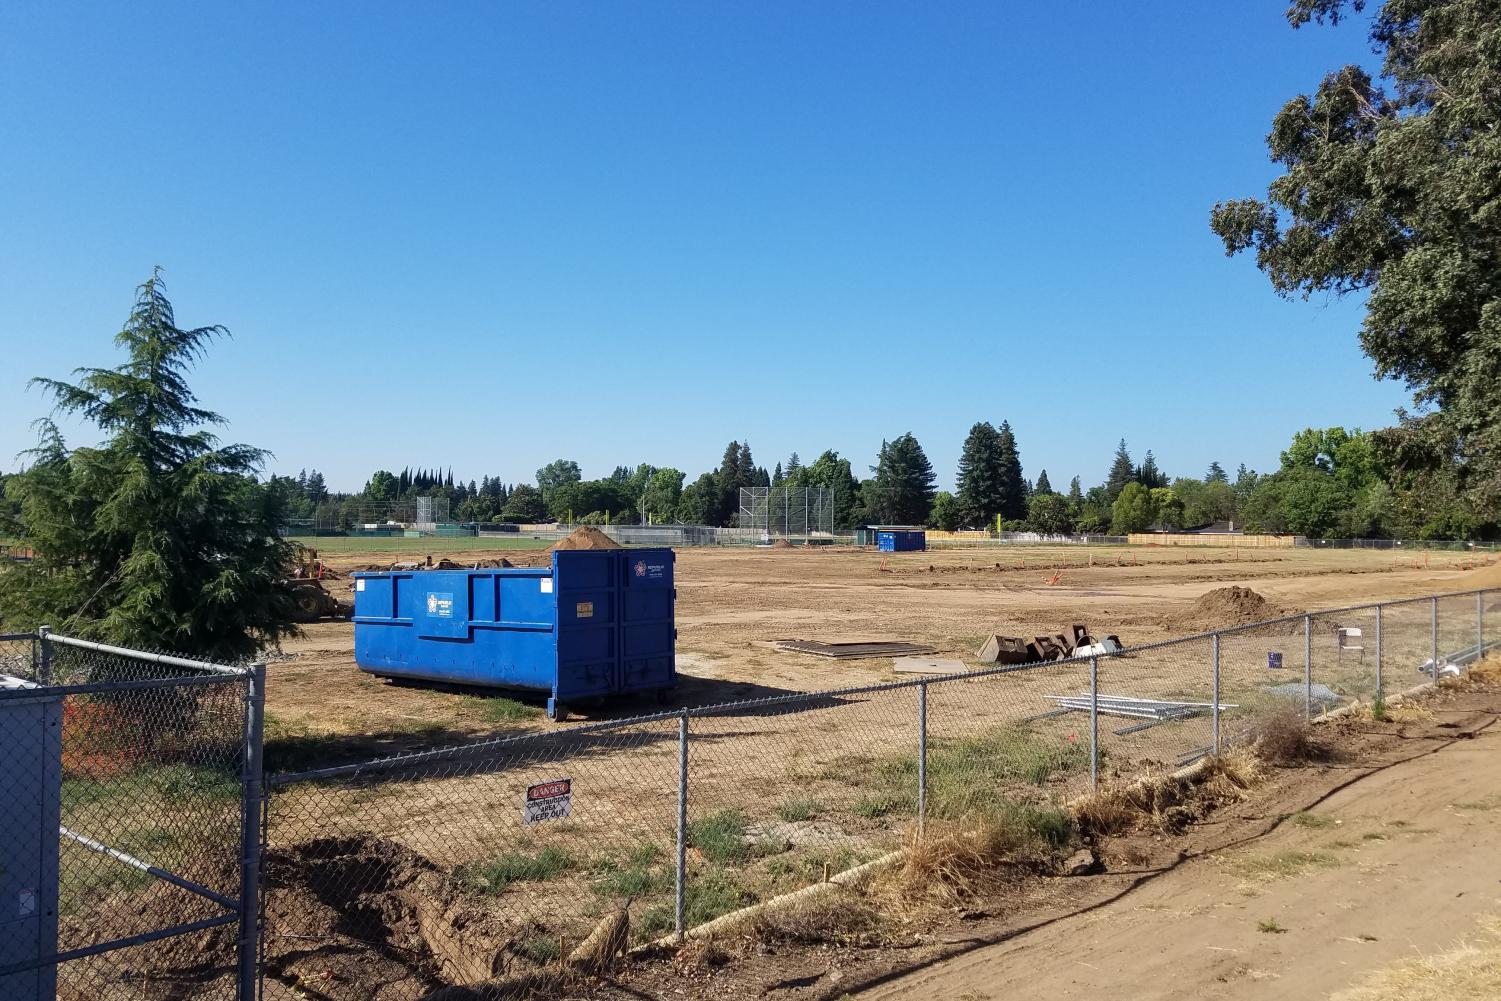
640,568
440,604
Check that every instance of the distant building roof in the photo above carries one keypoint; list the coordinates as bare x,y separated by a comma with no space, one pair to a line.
1217,528
897,528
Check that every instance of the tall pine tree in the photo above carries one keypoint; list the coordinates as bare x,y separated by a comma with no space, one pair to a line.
980,493
1148,475
1121,472
903,489
1043,486
1013,486
159,537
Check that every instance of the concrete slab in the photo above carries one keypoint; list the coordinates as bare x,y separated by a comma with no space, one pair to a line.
927,665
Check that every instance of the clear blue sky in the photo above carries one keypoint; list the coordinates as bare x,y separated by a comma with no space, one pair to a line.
491,235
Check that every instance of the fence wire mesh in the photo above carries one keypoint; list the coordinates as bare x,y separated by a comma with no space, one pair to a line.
121,784
1156,709
428,870
786,795
393,879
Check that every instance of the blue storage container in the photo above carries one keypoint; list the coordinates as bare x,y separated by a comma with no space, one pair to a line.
901,541
594,623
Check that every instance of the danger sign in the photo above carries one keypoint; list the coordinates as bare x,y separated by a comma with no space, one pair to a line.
548,801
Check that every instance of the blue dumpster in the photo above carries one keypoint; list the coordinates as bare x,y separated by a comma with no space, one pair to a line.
594,623
901,541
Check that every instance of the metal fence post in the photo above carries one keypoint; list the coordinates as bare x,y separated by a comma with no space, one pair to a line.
1094,723
1479,625
922,756
1379,689
1216,699
44,655
1433,644
251,805
681,903
1308,667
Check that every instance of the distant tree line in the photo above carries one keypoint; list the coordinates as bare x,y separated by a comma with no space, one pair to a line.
1331,483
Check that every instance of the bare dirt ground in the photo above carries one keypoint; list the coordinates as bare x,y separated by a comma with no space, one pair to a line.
1324,873
1402,862
733,602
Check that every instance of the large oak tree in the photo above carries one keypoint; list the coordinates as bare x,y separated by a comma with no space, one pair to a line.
1392,189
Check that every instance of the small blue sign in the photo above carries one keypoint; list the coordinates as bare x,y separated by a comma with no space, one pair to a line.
1273,661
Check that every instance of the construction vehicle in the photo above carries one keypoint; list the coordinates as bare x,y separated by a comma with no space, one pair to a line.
311,600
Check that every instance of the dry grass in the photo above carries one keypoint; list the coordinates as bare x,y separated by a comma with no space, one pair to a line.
1284,737
1410,711
1168,803
700,955
1233,773
840,916
1487,671
954,859
1281,865
1114,810
1471,971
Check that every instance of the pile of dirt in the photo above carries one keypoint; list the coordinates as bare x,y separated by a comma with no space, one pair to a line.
585,537
782,544
1483,577
365,910
1227,606
194,965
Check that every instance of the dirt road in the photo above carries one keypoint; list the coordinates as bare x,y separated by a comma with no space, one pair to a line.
1400,858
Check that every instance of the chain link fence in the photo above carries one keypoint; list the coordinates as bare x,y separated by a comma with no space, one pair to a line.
136,779
395,878
123,801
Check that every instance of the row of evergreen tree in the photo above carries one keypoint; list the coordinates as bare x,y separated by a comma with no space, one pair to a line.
901,488
1331,484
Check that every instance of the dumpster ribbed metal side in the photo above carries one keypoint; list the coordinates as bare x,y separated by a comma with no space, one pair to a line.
594,623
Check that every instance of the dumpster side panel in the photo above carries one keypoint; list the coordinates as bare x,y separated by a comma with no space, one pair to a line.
594,623
648,637
472,627
588,594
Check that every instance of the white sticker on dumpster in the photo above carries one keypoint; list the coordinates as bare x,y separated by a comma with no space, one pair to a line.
440,604
26,903
650,571
548,801
359,584
547,585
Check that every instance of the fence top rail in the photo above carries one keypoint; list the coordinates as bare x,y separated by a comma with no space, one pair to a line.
97,687
496,744
154,658
12,637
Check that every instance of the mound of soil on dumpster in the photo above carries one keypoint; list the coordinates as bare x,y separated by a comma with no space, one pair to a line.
585,537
